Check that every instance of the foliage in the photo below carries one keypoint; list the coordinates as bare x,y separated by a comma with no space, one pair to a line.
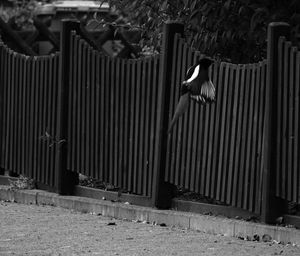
232,30
22,183
21,13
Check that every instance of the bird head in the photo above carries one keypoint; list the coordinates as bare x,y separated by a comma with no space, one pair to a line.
205,62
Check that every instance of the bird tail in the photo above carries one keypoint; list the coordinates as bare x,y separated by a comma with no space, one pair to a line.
182,106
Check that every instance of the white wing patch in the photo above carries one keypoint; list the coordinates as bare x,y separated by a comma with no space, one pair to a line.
194,75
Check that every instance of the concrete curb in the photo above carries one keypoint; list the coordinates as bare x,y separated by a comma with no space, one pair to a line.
208,224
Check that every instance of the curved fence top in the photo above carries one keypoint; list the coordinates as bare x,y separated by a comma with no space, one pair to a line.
22,55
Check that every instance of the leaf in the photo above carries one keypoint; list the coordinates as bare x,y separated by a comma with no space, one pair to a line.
257,17
193,5
227,4
194,13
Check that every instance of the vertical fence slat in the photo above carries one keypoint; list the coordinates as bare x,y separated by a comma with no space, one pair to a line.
127,109
297,126
103,141
48,134
73,107
141,146
154,111
26,123
223,101
56,82
259,164
236,166
253,152
4,77
19,116
131,134
243,175
215,160
88,113
249,138
107,118
78,112
279,124
15,102
284,166
93,117
51,118
233,136
111,105
45,113
146,137
291,123
83,120
71,145
117,126
122,172
137,120
39,121
228,130
98,123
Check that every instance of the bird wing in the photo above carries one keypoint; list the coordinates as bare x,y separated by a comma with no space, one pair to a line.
207,93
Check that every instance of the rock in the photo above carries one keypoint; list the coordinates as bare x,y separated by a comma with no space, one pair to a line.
256,238
266,238
279,220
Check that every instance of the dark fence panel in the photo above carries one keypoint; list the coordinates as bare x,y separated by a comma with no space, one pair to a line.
116,122
288,141
29,86
216,150
112,116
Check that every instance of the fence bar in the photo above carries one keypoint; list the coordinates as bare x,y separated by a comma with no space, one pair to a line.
270,206
159,193
64,180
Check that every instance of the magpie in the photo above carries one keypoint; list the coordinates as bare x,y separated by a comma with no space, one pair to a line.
196,86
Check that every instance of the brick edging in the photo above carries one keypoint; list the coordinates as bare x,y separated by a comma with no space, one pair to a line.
205,223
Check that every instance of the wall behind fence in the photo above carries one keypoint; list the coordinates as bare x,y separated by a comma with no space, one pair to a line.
28,92
288,129
216,150
112,117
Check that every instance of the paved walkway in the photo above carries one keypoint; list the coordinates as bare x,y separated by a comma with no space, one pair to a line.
46,230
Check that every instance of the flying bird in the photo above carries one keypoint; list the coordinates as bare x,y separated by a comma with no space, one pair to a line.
196,86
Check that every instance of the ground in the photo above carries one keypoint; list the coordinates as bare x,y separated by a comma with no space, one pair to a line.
45,230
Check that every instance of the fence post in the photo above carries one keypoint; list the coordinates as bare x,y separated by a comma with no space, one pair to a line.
271,206
65,179
161,197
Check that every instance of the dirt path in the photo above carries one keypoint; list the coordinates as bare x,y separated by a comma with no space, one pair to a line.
45,230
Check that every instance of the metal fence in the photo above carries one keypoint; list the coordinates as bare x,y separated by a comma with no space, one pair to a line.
216,150
288,129
108,117
28,114
112,117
